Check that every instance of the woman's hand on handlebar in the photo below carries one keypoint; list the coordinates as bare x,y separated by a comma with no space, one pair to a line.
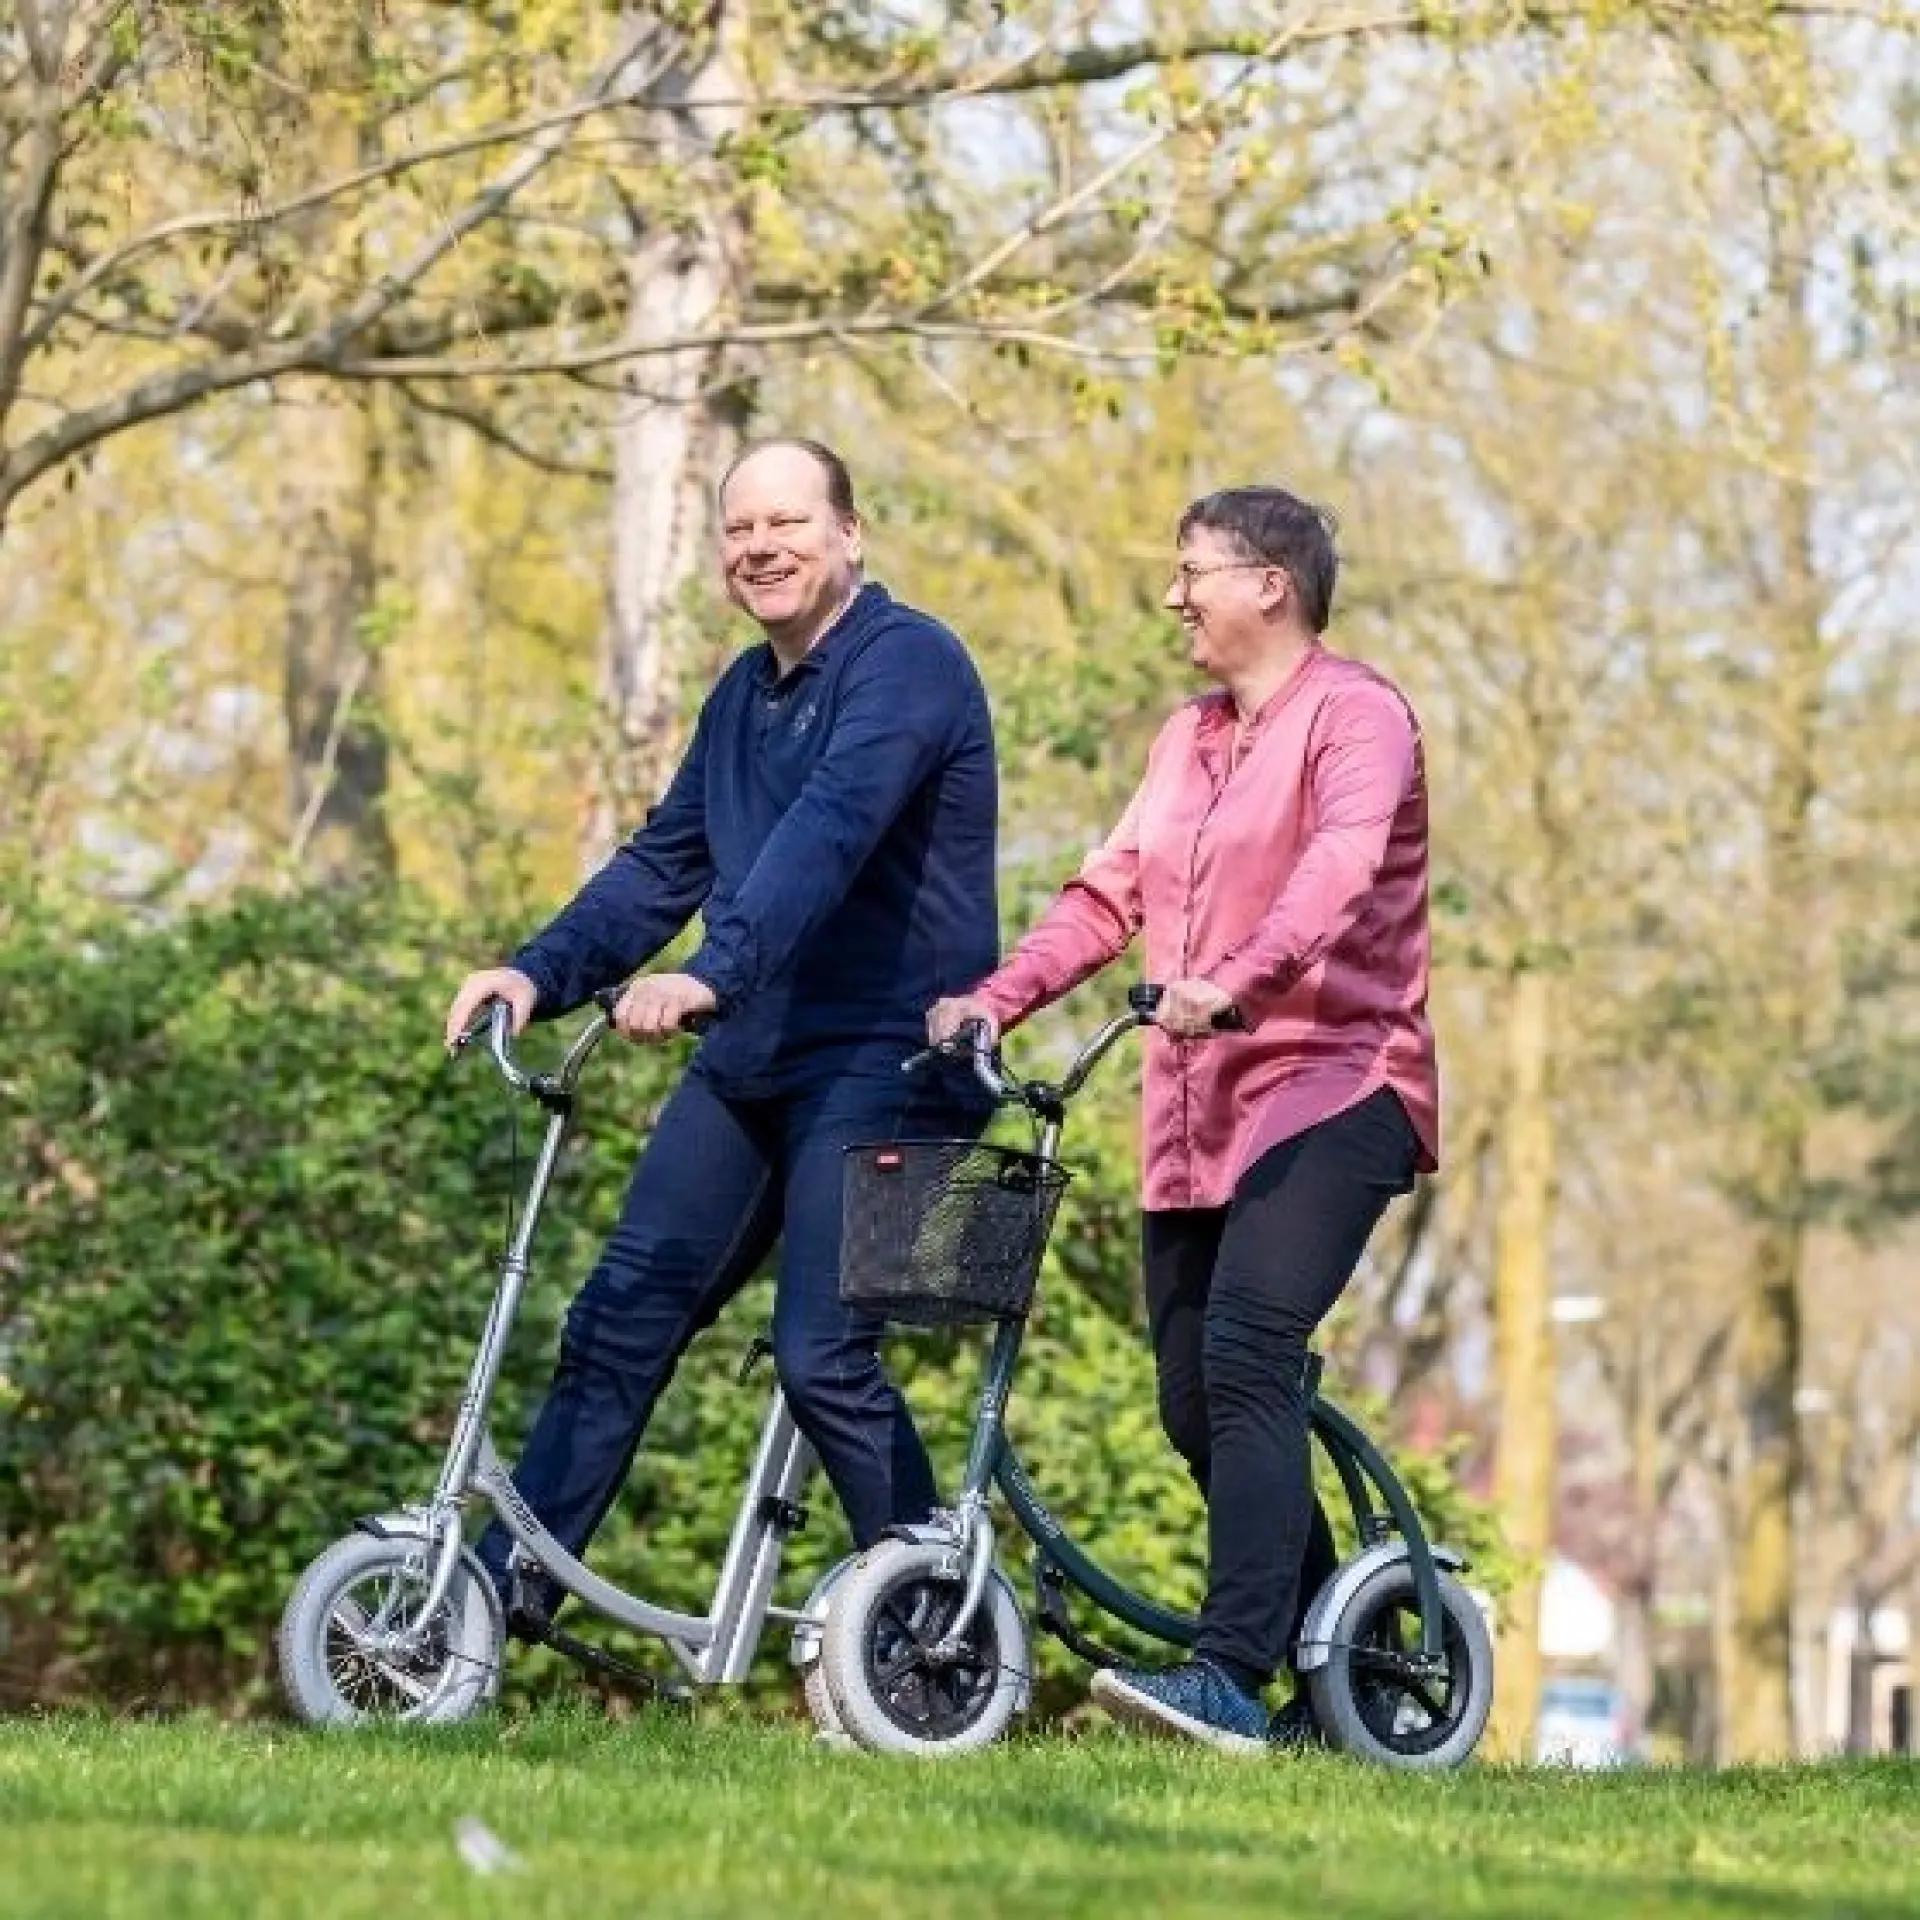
490,983
1194,1010
660,1006
945,1018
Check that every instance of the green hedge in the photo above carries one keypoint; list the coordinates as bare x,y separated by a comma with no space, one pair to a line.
248,1219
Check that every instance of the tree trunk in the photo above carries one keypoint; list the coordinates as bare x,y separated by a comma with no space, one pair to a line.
1769,1346
1529,1423
1862,1660
1911,1597
1727,1670
671,435
336,747
331,468
1634,1610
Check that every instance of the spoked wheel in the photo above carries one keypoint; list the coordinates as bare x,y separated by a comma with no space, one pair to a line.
1369,1702
877,1658
342,1659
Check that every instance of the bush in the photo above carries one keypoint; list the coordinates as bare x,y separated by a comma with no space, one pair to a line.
248,1224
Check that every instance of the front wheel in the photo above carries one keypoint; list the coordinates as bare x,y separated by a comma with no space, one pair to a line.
888,1613
342,1657
1369,1703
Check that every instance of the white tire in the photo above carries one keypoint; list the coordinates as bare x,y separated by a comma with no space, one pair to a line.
366,1584
1425,1725
890,1608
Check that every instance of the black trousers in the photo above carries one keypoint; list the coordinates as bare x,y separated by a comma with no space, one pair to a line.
1234,1295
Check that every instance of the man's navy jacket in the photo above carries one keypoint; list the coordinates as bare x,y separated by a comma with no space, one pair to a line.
835,828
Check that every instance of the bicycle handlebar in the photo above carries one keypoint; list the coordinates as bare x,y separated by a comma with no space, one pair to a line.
494,1024
1143,1004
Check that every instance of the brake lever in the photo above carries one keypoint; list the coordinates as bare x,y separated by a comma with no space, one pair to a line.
480,1028
954,1047
478,1031
971,1046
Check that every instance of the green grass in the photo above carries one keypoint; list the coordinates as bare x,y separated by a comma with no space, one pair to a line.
683,1816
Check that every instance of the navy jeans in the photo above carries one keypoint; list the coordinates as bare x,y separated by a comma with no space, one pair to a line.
718,1184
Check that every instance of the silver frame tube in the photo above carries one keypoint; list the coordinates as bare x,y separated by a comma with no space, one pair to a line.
718,1646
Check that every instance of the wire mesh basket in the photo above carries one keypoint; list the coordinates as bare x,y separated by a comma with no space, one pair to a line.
940,1233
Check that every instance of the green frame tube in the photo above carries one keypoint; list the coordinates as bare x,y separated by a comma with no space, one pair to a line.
1363,1470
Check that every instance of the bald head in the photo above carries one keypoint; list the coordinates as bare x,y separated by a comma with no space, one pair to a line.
835,480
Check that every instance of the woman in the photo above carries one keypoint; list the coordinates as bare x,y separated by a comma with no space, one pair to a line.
1275,857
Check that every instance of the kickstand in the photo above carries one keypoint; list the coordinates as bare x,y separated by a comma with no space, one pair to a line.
1050,1609
583,1653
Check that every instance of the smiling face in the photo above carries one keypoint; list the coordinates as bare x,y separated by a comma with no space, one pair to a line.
790,558
1227,603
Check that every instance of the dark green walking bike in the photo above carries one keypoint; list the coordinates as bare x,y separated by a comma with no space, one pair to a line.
921,1648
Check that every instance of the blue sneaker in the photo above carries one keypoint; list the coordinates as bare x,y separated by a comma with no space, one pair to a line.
1194,1702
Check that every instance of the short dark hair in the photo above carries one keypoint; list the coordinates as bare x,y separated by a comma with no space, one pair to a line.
1279,528
839,480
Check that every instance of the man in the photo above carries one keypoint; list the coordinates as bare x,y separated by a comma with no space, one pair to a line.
833,822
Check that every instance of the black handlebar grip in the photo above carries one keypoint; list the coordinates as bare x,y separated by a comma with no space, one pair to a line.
1145,1001
609,998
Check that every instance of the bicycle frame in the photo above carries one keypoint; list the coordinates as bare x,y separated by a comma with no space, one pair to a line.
714,1647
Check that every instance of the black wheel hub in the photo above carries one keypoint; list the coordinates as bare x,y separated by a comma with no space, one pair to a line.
934,1700
1409,1705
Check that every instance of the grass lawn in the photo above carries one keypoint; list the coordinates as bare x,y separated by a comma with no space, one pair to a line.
673,1814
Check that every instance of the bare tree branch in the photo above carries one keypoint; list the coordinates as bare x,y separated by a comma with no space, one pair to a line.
23,232
477,421
257,220
788,333
1044,67
321,348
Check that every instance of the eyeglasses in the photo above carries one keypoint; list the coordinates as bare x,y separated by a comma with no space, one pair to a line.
1186,573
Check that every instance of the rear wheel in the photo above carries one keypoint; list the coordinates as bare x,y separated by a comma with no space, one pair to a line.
1372,1702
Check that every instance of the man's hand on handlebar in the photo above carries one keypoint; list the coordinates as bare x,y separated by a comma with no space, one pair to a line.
945,1018
658,1007
491,983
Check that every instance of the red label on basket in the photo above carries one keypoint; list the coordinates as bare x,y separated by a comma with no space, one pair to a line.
887,1159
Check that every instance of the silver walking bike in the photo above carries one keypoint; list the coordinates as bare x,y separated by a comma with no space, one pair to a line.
398,1620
